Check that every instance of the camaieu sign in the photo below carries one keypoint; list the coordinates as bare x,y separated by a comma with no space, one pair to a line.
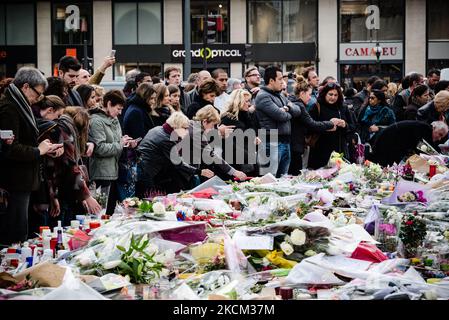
212,53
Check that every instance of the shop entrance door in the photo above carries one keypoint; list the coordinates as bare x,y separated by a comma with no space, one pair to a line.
356,75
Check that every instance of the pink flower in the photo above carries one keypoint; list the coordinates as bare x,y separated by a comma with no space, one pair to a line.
389,229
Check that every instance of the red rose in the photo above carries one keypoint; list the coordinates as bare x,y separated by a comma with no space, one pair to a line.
409,223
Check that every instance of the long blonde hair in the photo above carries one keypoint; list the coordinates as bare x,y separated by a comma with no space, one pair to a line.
236,102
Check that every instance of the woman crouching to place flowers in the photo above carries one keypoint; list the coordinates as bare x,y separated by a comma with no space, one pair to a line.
206,120
156,157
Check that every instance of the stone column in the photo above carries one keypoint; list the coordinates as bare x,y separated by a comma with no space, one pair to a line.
415,36
102,34
327,38
43,25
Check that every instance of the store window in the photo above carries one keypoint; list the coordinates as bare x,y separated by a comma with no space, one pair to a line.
137,23
354,17
122,68
217,21
282,21
17,24
437,20
72,23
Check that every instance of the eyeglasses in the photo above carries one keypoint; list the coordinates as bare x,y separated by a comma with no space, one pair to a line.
40,95
372,98
254,75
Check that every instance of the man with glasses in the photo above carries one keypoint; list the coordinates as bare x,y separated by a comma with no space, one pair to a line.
252,81
19,164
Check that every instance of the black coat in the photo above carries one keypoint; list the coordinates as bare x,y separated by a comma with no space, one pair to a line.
19,166
155,157
197,104
304,124
429,114
246,122
330,141
137,121
400,140
411,111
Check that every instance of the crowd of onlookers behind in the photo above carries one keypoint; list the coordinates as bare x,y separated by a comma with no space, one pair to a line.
77,149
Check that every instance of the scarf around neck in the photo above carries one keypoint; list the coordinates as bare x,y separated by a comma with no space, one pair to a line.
24,106
373,114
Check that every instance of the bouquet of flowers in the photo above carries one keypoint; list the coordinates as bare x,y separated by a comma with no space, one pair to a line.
412,196
412,234
373,173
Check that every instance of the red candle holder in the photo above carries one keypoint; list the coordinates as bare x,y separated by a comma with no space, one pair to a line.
432,170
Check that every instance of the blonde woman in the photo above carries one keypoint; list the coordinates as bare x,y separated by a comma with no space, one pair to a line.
158,170
237,114
206,120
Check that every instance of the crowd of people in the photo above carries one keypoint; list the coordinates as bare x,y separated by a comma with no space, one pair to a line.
73,141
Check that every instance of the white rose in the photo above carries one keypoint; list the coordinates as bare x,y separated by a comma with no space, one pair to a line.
132,203
309,253
298,237
111,264
165,272
158,208
287,248
333,250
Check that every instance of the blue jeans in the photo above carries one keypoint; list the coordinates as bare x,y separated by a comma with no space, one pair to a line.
275,159
284,159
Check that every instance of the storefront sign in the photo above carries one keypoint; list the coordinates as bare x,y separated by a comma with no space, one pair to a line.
212,53
72,22
366,51
373,20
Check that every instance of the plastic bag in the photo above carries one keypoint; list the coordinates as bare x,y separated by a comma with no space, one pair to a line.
73,289
309,273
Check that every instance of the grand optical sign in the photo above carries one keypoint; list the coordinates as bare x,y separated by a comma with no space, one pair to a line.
367,52
212,53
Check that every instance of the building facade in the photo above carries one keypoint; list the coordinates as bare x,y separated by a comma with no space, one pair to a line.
337,36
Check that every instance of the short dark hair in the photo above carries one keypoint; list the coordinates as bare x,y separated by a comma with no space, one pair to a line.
442,85
350,92
68,62
380,96
271,74
115,97
379,84
420,90
405,83
434,71
141,76
217,72
372,79
156,80
415,77
169,70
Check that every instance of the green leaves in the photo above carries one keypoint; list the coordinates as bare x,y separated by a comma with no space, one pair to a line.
138,264
145,206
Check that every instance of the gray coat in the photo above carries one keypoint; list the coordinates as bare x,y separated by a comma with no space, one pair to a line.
269,111
105,133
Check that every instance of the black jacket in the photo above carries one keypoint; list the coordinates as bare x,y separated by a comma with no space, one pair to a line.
400,140
429,114
155,152
305,124
74,99
197,103
330,141
137,121
19,164
359,101
248,125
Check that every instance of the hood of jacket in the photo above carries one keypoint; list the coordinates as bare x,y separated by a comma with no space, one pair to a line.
99,114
